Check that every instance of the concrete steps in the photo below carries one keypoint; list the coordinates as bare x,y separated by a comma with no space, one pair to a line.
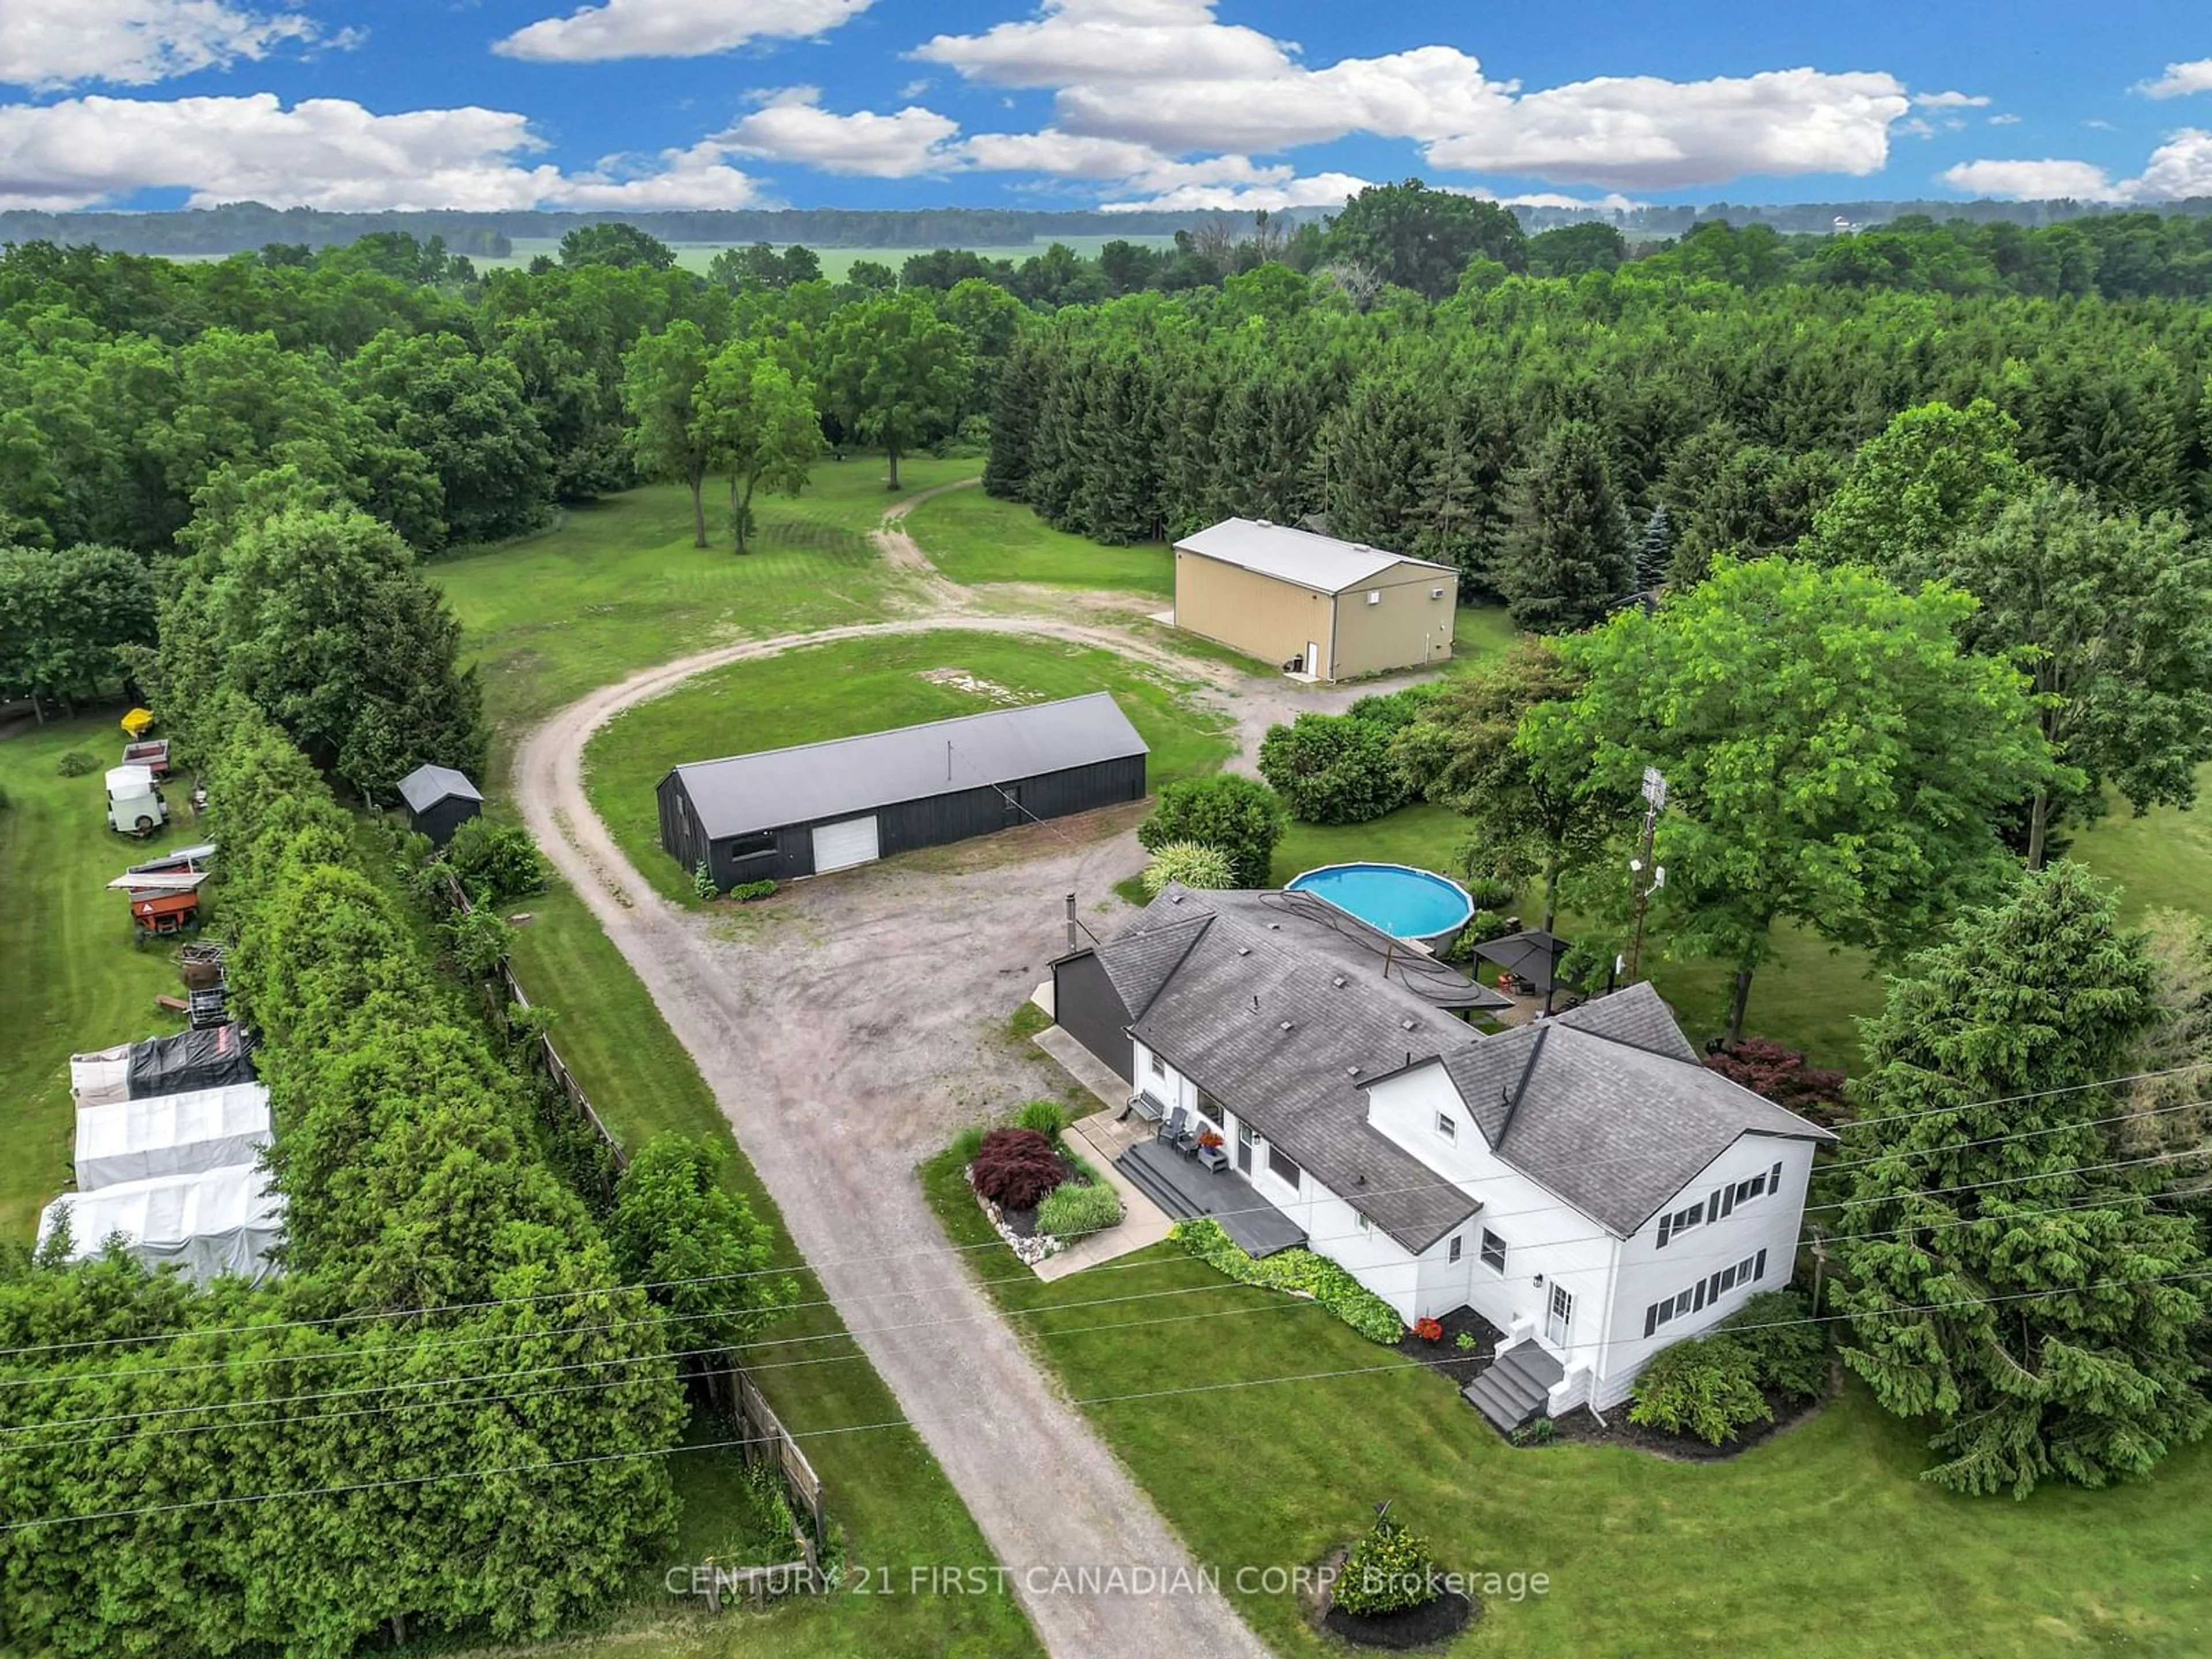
1515,1388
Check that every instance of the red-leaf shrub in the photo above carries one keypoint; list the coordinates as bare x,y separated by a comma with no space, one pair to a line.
1016,1167
1781,1075
1428,1330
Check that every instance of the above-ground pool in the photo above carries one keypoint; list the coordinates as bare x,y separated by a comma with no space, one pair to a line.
1400,901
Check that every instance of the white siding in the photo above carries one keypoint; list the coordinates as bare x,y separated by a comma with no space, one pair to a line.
1770,1222
1545,1236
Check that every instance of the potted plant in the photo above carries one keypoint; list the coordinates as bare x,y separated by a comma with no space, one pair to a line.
1210,1139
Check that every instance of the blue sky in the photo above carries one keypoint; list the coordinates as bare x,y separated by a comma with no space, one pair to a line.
1194,104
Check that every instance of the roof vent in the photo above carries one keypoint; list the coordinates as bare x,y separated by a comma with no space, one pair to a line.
1286,1026
1352,1071
1243,950
1407,1022
1175,898
1274,927
1339,982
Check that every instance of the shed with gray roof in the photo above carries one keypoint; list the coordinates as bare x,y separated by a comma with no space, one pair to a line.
1320,607
823,806
439,800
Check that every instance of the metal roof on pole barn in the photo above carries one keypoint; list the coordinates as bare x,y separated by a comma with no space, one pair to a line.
848,775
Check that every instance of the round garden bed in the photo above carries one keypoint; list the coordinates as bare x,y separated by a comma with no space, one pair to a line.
1432,1624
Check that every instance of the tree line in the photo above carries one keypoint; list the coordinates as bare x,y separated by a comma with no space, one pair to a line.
453,1412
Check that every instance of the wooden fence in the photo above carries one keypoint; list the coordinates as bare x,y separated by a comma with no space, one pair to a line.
762,1435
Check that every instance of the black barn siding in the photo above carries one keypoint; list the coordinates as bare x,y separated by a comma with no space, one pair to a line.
904,826
1087,1006
441,817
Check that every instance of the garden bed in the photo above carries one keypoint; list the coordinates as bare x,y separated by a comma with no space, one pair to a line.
1578,1425
1462,1366
1432,1625
1022,1228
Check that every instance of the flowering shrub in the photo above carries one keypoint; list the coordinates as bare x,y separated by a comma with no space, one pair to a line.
1210,1138
1428,1330
1016,1169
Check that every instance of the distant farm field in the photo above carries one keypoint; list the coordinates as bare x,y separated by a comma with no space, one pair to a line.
836,261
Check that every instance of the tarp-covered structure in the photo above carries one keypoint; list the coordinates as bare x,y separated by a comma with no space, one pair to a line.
171,1134
212,1059
209,1224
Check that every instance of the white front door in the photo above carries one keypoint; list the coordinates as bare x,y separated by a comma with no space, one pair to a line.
1561,1318
1313,657
841,846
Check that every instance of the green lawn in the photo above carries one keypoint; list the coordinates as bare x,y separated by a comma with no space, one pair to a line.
1821,1543
883,1489
618,586
70,979
974,537
1481,636
865,686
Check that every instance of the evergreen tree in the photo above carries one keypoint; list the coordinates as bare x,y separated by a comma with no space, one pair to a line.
1564,559
1013,422
1655,553
2000,1283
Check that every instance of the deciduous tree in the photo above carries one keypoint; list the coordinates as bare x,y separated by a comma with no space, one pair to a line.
892,371
672,438
760,422
1832,757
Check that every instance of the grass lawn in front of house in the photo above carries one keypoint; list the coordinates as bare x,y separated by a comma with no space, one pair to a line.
71,978
869,686
974,537
1266,1431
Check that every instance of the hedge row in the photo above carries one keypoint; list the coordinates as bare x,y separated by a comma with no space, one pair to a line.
1299,1270
420,1441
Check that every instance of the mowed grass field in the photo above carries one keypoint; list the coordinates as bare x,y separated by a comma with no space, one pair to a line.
70,979
1266,1430
973,538
869,686
618,586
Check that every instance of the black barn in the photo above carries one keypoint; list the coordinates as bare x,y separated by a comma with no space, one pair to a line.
825,807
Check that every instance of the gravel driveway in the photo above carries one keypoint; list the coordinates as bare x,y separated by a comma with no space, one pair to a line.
849,1031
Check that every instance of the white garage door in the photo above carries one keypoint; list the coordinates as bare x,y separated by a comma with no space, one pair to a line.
841,846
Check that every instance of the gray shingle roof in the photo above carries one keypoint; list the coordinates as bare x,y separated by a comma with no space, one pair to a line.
817,781
1253,964
426,785
1609,1106
1321,562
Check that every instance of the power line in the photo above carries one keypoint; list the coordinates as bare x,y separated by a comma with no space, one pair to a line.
464,1340
1710,1250
1405,1366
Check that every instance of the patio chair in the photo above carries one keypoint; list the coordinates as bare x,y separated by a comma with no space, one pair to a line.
1175,1130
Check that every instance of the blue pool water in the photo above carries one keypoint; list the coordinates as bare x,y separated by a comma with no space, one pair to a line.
1405,902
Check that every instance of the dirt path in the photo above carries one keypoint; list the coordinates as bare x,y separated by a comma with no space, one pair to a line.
838,1078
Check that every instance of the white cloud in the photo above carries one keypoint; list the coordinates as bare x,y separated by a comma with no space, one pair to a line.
2028,181
671,28
1948,100
1092,41
1914,128
324,153
135,42
2097,124
1322,189
2180,167
1167,74
794,127
2179,80
2004,120
1642,132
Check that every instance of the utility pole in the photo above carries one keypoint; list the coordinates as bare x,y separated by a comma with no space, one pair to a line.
1647,876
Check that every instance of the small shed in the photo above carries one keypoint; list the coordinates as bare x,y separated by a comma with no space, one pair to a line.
171,1134
210,1222
824,806
439,800
1322,608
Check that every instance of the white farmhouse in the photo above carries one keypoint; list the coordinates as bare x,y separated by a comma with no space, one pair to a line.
1583,1183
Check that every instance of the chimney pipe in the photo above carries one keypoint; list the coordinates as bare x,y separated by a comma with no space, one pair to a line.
1071,923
